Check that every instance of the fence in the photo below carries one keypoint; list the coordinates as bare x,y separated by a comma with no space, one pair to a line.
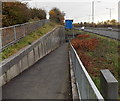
85,85
12,34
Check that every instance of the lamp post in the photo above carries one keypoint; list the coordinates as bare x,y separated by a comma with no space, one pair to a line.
89,18
110,12
93,10
119,11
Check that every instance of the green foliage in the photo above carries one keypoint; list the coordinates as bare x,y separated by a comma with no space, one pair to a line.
56,15
108,23
39,13
15,13
27,40
18,13
97,82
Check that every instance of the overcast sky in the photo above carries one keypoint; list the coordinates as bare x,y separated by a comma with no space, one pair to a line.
80,10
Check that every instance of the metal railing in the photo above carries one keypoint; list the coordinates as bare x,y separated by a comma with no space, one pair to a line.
12,34
85,85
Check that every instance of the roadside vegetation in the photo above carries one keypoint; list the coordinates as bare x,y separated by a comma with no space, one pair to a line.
98,52
28,40
19,13
56,15
109,23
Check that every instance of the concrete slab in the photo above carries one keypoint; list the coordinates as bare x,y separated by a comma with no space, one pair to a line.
43,49
24,63
40,50
109,85
3,79
20,66
46,79
31,58
36,53
12,72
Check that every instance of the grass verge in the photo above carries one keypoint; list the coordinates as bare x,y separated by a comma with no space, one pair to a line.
98,52
27,40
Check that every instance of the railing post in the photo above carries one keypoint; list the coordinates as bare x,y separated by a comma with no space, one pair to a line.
109,85
24,29
15,36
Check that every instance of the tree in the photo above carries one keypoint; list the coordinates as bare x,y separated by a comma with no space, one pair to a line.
113,22
14,13
18,13
56,15
39,13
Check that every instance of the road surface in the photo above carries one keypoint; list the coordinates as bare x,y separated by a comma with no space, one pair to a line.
105,28
110,34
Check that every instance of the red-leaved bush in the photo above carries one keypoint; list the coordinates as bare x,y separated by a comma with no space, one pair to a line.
85,44
75,43
83,36
86,60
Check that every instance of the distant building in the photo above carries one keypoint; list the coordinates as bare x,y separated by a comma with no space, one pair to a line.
119,11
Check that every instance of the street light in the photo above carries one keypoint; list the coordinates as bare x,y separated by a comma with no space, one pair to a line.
89,18
110,11
93,10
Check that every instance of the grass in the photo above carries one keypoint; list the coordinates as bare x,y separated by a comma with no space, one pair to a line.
104,56
110,50
27,40
70,32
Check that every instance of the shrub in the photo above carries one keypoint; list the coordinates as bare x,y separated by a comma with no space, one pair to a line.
56,15
75,43
85,42
18,13
83,36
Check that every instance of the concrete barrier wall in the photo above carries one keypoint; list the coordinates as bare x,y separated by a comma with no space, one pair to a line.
108,85
26,57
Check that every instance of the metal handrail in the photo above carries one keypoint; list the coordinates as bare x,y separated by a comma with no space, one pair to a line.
86,87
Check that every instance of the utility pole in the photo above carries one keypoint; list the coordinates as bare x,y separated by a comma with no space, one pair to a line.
93,10
119,11
110,12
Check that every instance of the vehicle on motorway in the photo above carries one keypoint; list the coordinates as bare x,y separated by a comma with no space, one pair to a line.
82,28
109,28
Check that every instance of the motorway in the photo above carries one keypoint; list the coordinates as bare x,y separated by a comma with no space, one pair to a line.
113,34
105,28
108,33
